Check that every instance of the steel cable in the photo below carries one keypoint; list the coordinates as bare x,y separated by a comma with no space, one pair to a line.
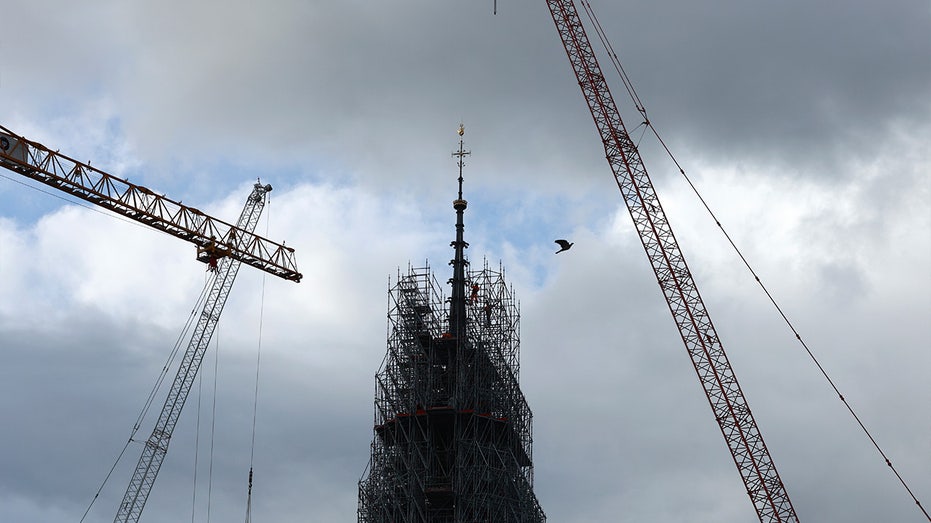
642,109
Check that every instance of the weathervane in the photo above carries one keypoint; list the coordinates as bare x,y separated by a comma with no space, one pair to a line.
461,153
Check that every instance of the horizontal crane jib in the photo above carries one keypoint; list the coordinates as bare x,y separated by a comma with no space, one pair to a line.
212,236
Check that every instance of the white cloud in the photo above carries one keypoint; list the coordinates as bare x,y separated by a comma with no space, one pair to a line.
349,111
616,403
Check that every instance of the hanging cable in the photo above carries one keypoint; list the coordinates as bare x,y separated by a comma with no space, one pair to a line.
249,499
213,420
635,99
255,404
80,204
200,395
615,62
179,342
110,473
153,393
795,332
258,361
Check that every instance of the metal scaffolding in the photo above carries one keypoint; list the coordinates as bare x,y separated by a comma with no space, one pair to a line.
452,429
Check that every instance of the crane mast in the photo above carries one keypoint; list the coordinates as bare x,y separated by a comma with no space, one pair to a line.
214,238
153,453
730,407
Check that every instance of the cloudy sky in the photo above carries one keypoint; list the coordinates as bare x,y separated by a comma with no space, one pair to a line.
804,124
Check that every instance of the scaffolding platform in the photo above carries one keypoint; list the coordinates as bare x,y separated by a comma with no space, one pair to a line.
452,433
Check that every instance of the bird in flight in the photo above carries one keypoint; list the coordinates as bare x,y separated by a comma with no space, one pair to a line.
564,245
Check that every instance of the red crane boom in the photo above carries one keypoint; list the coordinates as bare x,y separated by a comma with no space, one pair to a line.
740,431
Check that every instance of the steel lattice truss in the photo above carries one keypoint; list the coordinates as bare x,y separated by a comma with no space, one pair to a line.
153,453
35,161
730,407
452,428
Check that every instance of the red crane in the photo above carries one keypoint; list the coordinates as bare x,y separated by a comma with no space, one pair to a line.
727,400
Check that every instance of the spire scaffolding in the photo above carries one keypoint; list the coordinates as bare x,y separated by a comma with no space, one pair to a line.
452,439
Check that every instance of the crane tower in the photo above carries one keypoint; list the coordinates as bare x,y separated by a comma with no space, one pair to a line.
225,270
737,424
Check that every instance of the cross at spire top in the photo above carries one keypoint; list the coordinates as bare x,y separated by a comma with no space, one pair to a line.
457,313
461,153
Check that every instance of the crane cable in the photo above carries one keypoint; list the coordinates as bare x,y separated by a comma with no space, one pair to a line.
646,121
154,392
795,332
79,203
258,360
213,422
200,395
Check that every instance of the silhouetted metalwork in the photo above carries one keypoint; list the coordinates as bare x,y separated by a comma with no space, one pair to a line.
155,448
213,237
453,435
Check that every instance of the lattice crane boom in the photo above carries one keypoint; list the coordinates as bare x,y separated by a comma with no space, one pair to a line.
214,238
156,447
737,424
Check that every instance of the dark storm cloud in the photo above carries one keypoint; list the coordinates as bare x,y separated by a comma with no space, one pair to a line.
72,398
805,86
797,84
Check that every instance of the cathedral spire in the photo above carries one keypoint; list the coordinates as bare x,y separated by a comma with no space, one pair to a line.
457,308
452,439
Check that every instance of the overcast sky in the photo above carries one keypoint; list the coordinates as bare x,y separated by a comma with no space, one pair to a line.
805,125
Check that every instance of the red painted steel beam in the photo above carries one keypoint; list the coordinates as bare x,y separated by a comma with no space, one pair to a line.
718,380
